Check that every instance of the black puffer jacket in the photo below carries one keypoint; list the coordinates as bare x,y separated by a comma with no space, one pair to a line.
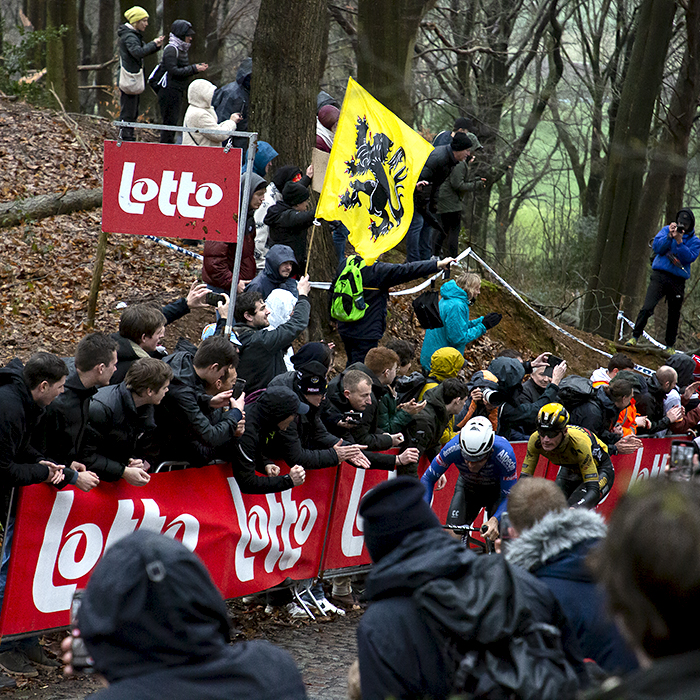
157,627
117,431
429,590
289,227
19,414
597,414
262,351
435,171
377,280
306,441
132,50
62,427
253,450
176,62
188,429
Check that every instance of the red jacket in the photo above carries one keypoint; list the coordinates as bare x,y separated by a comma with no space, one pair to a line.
217,268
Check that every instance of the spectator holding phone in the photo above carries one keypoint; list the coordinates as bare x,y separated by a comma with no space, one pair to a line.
676,247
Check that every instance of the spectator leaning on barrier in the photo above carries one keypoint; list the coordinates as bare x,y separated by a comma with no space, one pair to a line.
306,441
142,328
359,336
676,247
553,542
348,394
262,351
156,626
121,431
132,51
192,426
457,331
274,412
24,393
61,430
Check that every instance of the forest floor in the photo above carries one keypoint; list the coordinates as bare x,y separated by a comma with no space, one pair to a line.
45,274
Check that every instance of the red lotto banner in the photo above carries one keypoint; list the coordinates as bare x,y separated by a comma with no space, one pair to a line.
248,542
165,190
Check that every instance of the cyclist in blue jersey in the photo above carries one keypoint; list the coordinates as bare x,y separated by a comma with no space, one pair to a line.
486,464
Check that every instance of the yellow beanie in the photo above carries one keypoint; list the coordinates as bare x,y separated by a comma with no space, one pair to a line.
135,14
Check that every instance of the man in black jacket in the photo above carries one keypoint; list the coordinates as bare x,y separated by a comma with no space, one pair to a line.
360,336
306,441
61,430
191,425
132,51
434,602
142,327
121,429
349,395
25,391
273,413
262,351
435,171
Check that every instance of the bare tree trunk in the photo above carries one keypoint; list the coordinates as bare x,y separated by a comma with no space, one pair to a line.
387,35
43,205
620,246
62,54
286,76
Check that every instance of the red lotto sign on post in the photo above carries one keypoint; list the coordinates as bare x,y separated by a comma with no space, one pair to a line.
166,190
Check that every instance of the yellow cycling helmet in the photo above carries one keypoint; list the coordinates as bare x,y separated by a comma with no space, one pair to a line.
552,419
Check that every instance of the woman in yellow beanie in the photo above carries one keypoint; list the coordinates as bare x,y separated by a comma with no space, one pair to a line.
131,53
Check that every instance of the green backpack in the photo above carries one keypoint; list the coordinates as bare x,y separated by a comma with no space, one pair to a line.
347,300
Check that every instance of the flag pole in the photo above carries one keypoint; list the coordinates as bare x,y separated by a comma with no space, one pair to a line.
311,242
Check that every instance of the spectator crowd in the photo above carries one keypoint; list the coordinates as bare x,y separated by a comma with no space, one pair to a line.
440,616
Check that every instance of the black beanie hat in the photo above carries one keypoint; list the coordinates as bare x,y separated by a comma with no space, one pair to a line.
393,510
312,378
310,352
294,193
460,142
285,174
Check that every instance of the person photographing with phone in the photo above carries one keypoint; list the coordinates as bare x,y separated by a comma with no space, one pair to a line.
675,246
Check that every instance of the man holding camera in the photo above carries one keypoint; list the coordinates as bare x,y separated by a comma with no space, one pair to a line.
676,247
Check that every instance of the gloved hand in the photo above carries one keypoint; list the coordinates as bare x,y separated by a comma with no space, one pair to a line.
491,320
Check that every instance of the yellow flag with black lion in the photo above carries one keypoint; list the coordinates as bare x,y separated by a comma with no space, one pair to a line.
372,171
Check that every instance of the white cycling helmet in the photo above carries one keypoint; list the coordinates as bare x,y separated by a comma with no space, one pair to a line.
476,439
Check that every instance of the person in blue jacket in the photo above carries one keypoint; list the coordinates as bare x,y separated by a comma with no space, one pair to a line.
676,247
487,471
553,542
458,330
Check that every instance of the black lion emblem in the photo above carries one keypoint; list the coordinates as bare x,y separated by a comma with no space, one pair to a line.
372,157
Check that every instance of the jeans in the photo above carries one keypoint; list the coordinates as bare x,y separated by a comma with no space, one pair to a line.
340,237
357,348
418,238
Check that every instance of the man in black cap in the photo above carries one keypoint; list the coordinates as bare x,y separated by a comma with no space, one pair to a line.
435,171
290,219
271,414
156,626
676,247
433,602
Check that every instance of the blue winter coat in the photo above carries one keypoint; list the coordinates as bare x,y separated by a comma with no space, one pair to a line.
458,329
555,550
673,257
270,278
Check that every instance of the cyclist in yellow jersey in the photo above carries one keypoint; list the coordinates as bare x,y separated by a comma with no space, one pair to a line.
586,473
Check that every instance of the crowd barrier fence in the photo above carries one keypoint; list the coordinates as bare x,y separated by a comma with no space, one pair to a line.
248,542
